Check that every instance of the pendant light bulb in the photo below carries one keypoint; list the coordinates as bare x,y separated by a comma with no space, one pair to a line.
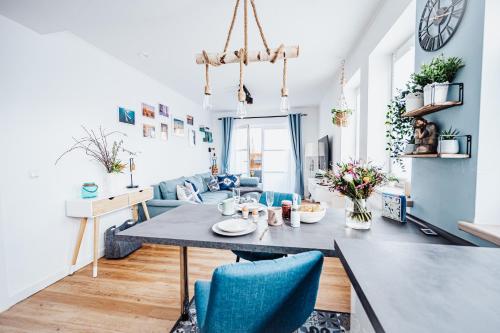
241,110
207,103
285,104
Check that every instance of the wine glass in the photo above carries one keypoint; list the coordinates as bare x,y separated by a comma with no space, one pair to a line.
270,198
236,195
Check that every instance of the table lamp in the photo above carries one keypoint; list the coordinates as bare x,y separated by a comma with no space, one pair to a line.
131,165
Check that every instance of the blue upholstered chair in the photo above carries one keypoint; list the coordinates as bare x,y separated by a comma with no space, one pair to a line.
266,296
255,256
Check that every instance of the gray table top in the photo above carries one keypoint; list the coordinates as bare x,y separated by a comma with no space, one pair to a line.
190,225
414,288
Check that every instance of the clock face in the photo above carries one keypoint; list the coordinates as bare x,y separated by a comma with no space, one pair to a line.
440,19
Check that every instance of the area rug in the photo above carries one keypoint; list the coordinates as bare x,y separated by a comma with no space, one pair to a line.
320,321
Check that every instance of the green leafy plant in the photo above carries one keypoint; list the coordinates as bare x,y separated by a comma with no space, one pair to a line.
399,129
449,134
336,111
440,69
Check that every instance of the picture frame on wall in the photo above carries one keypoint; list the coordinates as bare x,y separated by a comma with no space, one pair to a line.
148,131
192,137
190,120
148,111
178,127
163,110
164,132
126,116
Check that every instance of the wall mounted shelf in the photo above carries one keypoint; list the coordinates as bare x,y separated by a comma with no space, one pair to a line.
455,156
431,108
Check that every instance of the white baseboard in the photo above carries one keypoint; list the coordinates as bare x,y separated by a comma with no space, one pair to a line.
44,283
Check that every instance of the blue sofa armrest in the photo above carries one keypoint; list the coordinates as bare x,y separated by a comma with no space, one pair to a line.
249,181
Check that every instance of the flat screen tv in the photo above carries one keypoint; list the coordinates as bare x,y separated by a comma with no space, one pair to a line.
324,153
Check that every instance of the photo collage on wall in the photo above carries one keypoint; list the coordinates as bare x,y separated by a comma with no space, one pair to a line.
162,124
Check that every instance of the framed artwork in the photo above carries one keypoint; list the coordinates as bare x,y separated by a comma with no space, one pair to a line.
178,127
126,116
189,120
148,111
163,110
148,131
192,137
164,131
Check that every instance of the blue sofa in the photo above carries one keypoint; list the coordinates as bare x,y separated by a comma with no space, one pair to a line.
165,193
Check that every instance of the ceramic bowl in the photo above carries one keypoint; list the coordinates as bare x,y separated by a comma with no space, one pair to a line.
312,217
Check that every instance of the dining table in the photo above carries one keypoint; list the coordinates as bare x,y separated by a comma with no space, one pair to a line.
191,226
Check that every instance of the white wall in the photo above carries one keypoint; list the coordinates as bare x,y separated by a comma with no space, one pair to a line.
358,60
309,126
50,85
488,182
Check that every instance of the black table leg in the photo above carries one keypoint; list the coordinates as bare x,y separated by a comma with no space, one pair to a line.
184,284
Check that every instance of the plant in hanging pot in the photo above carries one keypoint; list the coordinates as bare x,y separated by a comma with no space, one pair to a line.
436,77
95,144
415,97
448,143
356,181
399,129
340,117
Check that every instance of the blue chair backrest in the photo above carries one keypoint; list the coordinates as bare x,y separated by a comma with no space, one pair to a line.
266,296
278,198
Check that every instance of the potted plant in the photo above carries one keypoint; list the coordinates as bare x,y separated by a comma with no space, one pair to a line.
399,129
410,146
340,116
437,76
448,143
95,144
356,181
415,98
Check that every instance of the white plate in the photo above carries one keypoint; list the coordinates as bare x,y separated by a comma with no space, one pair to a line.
233,225
251,228
251,206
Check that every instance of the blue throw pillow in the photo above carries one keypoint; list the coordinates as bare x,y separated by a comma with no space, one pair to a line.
213,184
194,188
228,182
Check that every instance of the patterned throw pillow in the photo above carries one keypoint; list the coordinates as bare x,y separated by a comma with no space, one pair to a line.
228,182
213,184
193,189
185,194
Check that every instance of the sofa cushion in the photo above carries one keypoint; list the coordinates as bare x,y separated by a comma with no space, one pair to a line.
192,188
228,182
168,188
214,197
186,193
213,184
205,177
249,181
197,181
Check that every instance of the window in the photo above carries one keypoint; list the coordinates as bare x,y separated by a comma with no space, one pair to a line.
403,64
263,151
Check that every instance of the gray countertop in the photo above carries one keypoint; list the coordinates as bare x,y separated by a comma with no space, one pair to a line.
410,288
190,225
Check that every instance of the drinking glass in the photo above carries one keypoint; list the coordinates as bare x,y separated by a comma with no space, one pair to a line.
270,198
236,195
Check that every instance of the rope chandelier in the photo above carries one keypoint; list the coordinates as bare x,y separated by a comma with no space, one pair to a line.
243,56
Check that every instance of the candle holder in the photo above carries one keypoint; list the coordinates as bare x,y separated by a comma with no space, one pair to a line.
132,169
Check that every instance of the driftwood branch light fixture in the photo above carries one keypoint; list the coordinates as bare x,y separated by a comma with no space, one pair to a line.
243,57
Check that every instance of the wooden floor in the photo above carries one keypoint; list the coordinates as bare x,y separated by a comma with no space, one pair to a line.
138,294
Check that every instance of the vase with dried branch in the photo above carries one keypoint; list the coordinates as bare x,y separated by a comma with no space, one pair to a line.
97,145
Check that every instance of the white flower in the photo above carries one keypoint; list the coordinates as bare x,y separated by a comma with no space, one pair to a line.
348,178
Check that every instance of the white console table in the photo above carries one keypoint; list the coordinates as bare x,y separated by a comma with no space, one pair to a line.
321,193
94,208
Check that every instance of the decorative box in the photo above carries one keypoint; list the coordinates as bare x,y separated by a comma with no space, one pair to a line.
89,190
394,207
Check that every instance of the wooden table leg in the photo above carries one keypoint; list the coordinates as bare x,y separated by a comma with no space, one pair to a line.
96,246
145,208
184,283
81,232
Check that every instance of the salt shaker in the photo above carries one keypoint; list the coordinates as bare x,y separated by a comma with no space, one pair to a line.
295,214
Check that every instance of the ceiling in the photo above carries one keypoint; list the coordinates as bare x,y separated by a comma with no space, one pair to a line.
161,38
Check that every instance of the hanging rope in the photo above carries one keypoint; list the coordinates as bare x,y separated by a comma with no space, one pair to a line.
235,12
284,89
208,91
280,49
261,31
245,31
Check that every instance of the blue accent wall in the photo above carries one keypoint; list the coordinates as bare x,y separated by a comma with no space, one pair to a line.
444,189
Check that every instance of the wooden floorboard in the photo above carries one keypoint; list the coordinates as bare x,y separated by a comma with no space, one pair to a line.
138,294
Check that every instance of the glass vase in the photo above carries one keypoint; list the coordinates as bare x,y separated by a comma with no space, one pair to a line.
357,214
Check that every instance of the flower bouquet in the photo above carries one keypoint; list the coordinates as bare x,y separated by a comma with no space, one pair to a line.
356,181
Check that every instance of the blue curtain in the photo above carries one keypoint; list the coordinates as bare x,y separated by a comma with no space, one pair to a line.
295,122
227,133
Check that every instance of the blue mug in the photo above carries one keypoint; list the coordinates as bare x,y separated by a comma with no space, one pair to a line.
89,190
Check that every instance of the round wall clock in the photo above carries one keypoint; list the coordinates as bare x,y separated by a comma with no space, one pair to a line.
439,22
